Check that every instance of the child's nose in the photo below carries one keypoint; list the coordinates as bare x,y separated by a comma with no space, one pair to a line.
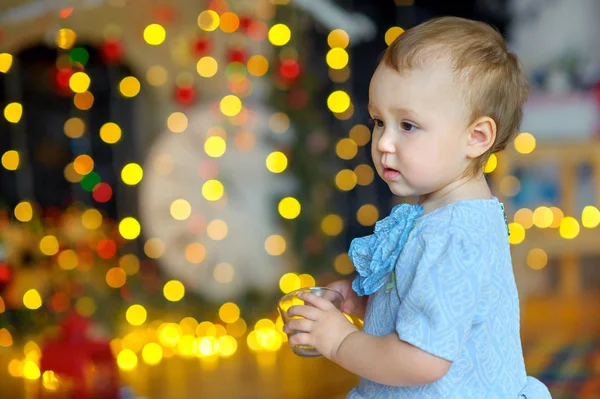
386,142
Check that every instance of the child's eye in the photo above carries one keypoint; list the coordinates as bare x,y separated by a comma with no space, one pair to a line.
376,122
408,127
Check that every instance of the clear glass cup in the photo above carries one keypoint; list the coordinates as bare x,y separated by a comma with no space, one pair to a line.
291,299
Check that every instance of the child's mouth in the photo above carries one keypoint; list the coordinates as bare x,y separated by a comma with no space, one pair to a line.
390,174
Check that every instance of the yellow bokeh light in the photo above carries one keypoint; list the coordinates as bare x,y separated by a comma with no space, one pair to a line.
491,164
237,329
332,225
49,245
558,216
6,339
306,280
230,105
68,259
136,315
79,82
208,20
188,325
524,217
367,215
537,258
346,149
213,190
338,101
195,253
275,245
338,38
132,174
174,290
169,334
91,219
129,228
517,233
177,122
110,133
216,229
70,174
215,146
65,38
74,128
23,211
206,329
10,160
229,312
364,174
392,34
130,264
346,180
279,35
289,208
277,162
590,217
157,75
32,299
569,228
83,164
337,58
50,381
524,143
227,346
83,101
154,248
207,67
13,112
5,62
542,217
127,360
187,346
85,306
152,353
31,371
257,65
180,209
116,277
129,86
289,282
343,264
154,34
360,134
223,273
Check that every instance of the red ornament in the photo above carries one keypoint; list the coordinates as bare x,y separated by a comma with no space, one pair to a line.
237,55
112,51
245,22
185,95
70,356
5,276
62,77
202,46
290,69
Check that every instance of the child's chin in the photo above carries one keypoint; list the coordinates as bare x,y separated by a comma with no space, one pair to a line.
401,190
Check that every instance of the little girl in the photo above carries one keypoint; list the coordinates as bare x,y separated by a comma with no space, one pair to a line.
435,284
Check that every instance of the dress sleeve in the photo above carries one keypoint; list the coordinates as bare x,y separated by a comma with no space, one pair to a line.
438,310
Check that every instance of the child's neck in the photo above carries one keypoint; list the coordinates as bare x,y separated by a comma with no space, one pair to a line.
465,188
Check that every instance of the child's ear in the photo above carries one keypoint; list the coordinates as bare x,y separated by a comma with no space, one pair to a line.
482,135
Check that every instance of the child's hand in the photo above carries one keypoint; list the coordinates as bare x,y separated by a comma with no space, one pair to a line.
323,327
353,304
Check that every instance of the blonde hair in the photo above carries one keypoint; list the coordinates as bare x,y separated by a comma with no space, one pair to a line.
492,77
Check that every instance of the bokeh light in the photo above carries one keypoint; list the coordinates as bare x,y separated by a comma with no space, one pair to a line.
212,190
590,217
337,58
276,162
257,65
32,299
524,143
215,146
23,211
229,312
110,133
207,67
279,35
74,127
79,82
338,101
537,258
517,233
132,174
180,209
289,208
275,245
155,34
129,228
332,225
129,86
346,149
13,112
289,282
392,34
10,160
174,290
208,20
338,38
569,228
136,315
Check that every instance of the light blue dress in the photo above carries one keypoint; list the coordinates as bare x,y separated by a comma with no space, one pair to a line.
444,282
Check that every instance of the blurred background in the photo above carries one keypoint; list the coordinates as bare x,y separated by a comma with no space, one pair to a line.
170,168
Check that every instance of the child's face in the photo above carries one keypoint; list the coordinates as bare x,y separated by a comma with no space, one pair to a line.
420,128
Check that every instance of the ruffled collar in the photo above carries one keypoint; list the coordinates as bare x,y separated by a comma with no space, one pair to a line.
374,256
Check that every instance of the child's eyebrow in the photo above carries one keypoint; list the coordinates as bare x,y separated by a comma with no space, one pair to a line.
404,111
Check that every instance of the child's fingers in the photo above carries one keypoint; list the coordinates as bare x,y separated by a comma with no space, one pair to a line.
316,301
308,312
304,325
300,339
